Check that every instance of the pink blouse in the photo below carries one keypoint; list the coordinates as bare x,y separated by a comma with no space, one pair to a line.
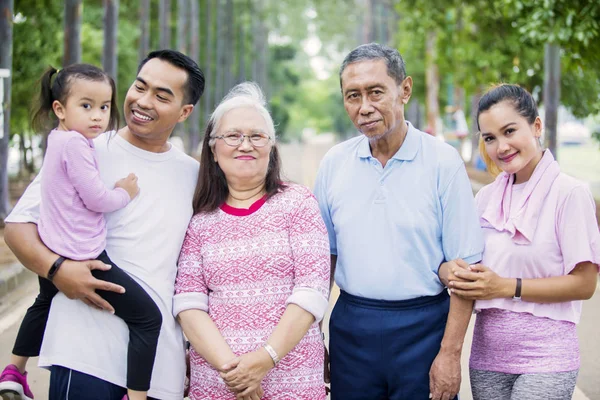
553,229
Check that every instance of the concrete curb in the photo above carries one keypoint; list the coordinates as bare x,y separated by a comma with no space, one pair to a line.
11,276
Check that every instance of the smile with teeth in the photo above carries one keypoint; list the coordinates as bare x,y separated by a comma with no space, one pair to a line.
141,116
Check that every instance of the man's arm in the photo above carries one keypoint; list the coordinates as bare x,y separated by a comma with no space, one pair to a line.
461,238
445,372
74,278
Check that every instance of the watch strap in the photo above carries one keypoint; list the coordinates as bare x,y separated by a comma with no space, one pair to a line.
517,296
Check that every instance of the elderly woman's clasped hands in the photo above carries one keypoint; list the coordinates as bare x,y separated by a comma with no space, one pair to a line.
476,281
243,375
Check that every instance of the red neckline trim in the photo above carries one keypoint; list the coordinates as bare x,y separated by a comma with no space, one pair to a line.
242,212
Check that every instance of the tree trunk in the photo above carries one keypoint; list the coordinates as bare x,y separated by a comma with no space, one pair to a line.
195,54
551,95
208,55
6,43
111,23
164,19
144,29
368,36
432,83
241,57
259,39
24,161
229,45
412,112
474,130
72,50
182,26
220,56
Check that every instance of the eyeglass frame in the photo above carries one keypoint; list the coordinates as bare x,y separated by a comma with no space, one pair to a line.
243,137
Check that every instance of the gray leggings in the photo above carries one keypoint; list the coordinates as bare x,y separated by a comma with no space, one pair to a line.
489,385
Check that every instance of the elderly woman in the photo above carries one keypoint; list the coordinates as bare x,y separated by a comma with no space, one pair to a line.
253,276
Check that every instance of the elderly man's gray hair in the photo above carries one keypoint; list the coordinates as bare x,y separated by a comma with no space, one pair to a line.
374,51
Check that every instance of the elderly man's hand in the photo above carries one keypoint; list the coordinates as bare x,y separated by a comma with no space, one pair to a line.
244,374
447,271
444,376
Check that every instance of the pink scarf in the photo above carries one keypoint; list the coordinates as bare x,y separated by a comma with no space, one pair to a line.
496,207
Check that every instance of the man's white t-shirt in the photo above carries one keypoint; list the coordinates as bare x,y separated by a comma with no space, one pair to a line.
144,239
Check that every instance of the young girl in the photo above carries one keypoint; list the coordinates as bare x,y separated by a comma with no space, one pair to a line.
542,251
83,100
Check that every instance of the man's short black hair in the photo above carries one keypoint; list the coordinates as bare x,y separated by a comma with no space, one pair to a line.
195,83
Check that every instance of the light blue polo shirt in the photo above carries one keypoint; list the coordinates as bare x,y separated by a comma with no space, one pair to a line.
392,227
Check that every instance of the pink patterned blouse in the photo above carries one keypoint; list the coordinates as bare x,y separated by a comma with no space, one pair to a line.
243,267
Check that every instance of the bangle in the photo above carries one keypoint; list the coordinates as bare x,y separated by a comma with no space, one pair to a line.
272,353
54,268
517,296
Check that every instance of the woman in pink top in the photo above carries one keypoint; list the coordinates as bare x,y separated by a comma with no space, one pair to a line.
253,274
82,98
542,251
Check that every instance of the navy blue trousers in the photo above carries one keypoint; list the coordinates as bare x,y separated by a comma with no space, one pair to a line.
68,384
382,350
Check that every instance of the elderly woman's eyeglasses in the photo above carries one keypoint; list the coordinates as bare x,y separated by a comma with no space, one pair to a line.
235,139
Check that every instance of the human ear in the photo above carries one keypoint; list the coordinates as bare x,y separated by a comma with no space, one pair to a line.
406,87
537,126
186,111
59,110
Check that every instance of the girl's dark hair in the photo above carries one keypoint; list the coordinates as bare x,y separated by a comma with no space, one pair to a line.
211,189
43,117
520,98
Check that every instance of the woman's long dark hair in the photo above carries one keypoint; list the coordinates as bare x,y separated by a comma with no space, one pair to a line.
43,117
211,189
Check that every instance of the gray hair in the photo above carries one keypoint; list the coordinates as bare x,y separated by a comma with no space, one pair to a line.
374,51
245,94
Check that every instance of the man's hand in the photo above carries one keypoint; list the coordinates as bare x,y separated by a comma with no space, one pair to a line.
444,376
448,269
75,280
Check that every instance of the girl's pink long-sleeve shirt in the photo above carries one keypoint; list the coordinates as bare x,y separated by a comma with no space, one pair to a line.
74,198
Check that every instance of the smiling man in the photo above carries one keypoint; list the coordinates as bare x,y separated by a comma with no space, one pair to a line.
86,348
397,204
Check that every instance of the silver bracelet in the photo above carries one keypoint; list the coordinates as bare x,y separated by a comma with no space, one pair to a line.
272,353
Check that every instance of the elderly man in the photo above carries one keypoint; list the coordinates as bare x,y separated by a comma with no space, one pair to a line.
397,204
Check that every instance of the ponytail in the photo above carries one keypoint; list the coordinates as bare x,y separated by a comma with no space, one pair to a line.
42,111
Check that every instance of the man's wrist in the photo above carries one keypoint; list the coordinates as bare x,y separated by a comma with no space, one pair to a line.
55,268
451,349
442,273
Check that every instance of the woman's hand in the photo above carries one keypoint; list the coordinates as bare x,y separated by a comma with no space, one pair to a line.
244,374
252,396
481,283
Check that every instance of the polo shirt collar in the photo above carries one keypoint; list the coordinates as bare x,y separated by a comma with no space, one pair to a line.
407,152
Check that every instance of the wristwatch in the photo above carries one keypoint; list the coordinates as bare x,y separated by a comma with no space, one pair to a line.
54,268
517,296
